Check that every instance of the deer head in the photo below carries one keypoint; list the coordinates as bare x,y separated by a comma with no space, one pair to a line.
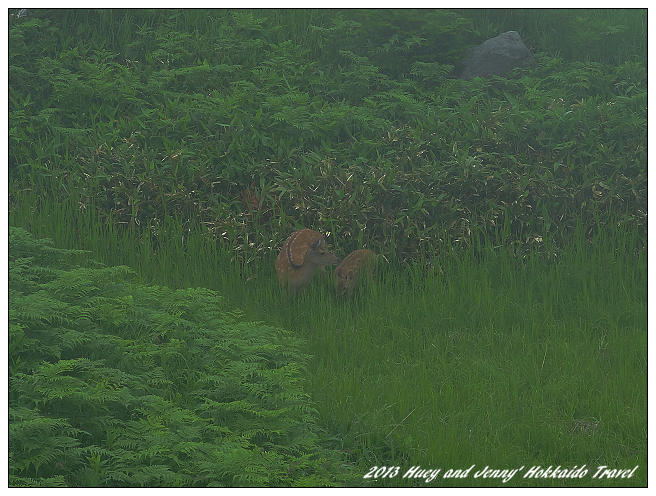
347,273
299,258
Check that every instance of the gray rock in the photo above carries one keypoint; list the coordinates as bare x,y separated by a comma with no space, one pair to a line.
497,56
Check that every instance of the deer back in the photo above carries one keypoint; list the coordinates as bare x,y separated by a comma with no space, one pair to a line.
301,254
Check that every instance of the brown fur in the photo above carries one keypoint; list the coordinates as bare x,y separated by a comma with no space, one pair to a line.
299,258
352,267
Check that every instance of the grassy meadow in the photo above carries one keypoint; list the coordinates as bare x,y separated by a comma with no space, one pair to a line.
506,325
455,361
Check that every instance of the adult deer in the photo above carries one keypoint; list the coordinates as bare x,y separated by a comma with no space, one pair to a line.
299,258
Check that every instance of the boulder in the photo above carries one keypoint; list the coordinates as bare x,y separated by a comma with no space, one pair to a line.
497,56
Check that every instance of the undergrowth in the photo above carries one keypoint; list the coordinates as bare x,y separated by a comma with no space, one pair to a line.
114,384
508,319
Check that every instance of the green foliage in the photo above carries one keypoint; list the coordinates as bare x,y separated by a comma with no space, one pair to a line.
113,384
510,216
610,36
398,40
174,113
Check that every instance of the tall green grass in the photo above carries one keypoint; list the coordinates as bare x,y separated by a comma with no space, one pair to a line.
535,362
132,132
464,358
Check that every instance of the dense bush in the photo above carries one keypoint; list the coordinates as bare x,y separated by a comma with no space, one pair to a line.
114,384
176,112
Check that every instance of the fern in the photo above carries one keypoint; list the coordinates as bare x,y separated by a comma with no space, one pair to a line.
114,384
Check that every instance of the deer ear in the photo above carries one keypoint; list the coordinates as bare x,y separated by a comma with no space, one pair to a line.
319,242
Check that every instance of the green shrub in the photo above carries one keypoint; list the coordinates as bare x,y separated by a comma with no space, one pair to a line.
115,384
